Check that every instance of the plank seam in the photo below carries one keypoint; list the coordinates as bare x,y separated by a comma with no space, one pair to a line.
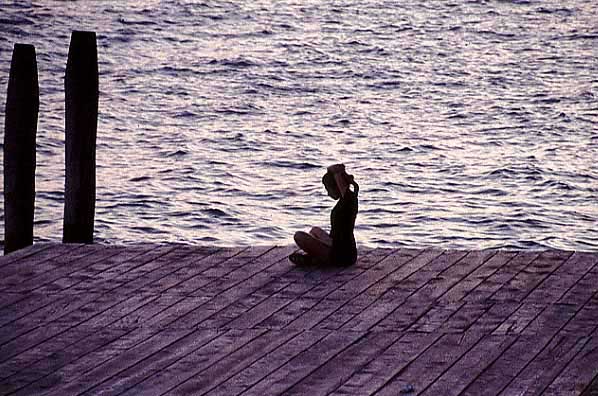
556,333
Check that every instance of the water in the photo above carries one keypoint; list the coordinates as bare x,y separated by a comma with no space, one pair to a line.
467,124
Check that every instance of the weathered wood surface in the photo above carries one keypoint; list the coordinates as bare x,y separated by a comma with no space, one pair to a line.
185,320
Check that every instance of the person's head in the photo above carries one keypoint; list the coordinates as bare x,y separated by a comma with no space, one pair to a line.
330,184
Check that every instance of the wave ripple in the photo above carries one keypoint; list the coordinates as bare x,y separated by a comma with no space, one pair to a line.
467,124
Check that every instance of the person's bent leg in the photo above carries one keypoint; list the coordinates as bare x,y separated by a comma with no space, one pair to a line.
321,235
315,248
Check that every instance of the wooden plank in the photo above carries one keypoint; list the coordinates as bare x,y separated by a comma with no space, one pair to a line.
465,316
39,300
27,304
43,362
21,361
81,383
249,310
546,366
276,257
582,290
485,316
418,303
592,389
517,288
441,284
20,254
230,294
400,285
51,381
217,311
245,257
302,365
250,318
99,313
151,270
114,313
553,318
494,317
580,263
436,316
199,268
34,265
338,369
248,274
345,312
194,363
520,319
445,352
147,315
101,271
579,373
532,340
405,315
109,279
76,311
466,369
189,278
131,256
317,282
169,316
130,275
141,370
50,309
314,315
432,363
274,299
269,363
585,319
210,378
288,313
63,266
63,347
336,286
352,296
489,286
382,267
560,281
404,272
7,299
458,292
386,365
88,269
474,322
220,318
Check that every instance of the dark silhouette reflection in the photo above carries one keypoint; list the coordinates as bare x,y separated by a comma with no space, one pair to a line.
337,248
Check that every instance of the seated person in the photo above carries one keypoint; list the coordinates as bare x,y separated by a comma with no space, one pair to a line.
337,248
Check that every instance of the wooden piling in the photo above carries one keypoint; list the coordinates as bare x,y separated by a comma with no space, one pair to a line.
82,94
20,129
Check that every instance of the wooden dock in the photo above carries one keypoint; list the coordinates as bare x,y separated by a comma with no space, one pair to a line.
187,320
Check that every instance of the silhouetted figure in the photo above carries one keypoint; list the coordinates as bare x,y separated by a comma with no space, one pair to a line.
337,248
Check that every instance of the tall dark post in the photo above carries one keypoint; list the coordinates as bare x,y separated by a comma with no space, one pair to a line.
82,93
20,128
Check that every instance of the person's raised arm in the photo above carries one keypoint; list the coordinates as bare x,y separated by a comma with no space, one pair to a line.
355,187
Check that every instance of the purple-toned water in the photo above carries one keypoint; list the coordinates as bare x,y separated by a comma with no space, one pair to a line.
467,124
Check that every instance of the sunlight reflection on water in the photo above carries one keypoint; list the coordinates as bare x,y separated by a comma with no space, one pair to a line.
466,125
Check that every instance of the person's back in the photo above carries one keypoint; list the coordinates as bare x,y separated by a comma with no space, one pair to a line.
342,222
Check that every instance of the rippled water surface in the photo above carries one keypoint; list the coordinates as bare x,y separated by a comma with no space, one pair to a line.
467,124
